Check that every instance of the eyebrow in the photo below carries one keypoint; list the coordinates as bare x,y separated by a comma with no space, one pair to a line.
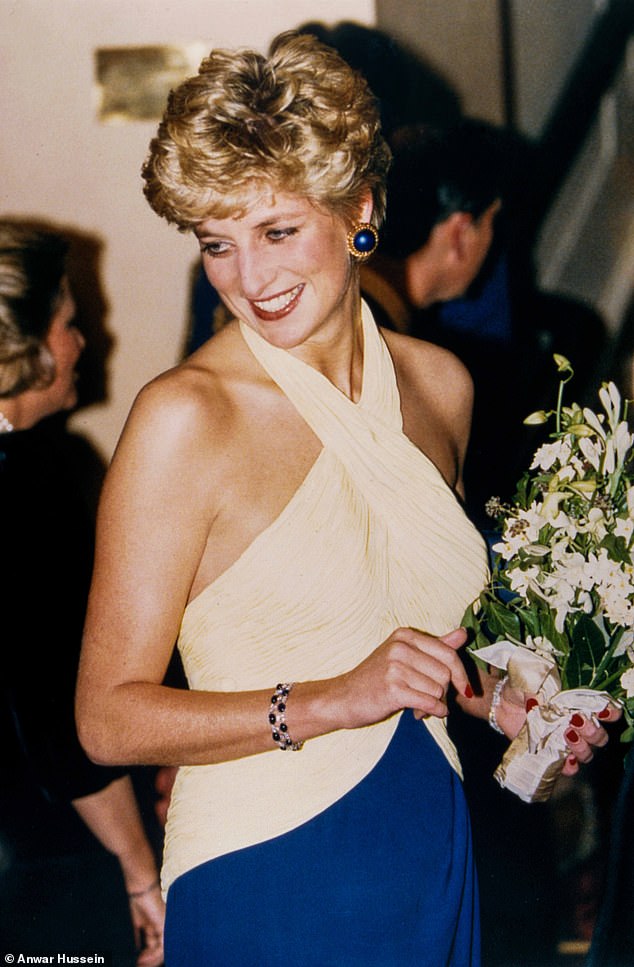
265,223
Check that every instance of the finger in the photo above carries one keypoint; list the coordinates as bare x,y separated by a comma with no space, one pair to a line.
530,701
426,697
448,646
456,638
152,952
570,766
590,729
460,679
429,656
593,733
429,648
150,957
578,745
611,713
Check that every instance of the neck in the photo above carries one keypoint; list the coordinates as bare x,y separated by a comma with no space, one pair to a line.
6,426
337,350
421,284
21,412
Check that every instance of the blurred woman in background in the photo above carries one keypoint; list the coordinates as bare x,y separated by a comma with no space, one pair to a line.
47,547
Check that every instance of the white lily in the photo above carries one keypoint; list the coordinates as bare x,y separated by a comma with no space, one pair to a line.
627,682
594,420
592,451
611,401
550,453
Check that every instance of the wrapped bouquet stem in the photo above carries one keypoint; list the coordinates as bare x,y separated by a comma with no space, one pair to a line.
558,613
533,761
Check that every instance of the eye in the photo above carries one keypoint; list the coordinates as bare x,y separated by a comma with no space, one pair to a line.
279,234
214,249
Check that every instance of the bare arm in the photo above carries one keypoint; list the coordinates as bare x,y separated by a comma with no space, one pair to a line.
112,815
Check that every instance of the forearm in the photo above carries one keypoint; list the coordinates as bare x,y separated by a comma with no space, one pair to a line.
112,815
148,724
145,722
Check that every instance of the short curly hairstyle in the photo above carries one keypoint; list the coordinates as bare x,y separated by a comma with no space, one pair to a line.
300,120
32,266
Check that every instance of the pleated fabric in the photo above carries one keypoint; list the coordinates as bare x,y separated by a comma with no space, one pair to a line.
372,540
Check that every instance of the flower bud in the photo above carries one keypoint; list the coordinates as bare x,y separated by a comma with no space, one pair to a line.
534,419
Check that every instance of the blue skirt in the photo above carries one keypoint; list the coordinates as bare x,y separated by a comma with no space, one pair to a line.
383,878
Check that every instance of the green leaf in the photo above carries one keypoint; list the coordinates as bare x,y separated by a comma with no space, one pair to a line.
616,548
532,621
502,622
588,648
628,734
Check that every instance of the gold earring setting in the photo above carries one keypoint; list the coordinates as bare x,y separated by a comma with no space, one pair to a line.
362,241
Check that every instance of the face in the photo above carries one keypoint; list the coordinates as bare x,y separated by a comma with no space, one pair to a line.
450,260
65,343
283,269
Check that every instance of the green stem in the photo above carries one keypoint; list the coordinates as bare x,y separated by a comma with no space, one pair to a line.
560,399
607,658
603,686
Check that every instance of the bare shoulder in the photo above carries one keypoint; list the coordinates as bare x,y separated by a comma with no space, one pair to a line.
436,394
431,373
194,404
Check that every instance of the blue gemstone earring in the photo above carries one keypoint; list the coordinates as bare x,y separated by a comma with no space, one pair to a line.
362,241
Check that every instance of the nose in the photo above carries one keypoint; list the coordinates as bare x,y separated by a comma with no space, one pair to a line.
256,271
80,340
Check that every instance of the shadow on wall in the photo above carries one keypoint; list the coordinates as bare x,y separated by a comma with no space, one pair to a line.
84,274
409,90
83,266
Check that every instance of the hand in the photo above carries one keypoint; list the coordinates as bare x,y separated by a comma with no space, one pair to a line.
584,735
410,669
147,911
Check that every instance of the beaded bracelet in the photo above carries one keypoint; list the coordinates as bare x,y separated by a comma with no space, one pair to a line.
495,701
277,719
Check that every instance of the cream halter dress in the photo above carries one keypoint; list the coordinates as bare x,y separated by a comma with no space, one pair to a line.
373,539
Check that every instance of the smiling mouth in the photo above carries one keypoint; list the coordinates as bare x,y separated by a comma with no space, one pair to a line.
279,305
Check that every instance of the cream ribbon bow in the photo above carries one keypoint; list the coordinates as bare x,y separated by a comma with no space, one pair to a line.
534,759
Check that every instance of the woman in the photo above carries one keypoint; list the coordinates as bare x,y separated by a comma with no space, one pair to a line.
284,503
47,536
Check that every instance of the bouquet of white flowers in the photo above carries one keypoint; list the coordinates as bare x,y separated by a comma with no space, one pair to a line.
558,613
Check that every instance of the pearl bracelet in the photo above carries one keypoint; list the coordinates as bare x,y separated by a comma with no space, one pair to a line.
277,719
495,701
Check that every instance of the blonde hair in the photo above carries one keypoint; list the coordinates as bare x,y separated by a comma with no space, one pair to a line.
300,120
32,266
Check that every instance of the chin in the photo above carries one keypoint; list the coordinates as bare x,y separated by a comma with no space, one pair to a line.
71,401
282,334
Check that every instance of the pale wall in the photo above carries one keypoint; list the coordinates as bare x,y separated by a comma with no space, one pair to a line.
548,36
461,40
60,163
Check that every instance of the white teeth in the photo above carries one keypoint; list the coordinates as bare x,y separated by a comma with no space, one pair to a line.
279,302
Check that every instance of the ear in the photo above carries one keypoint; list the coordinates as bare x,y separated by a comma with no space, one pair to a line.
459,234
367,207
488,215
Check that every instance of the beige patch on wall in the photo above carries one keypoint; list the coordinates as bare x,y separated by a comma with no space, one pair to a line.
132,83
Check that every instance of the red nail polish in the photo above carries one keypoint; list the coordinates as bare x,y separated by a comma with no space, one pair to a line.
531,703
604,713
576,720
571,736
468,691
572,759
